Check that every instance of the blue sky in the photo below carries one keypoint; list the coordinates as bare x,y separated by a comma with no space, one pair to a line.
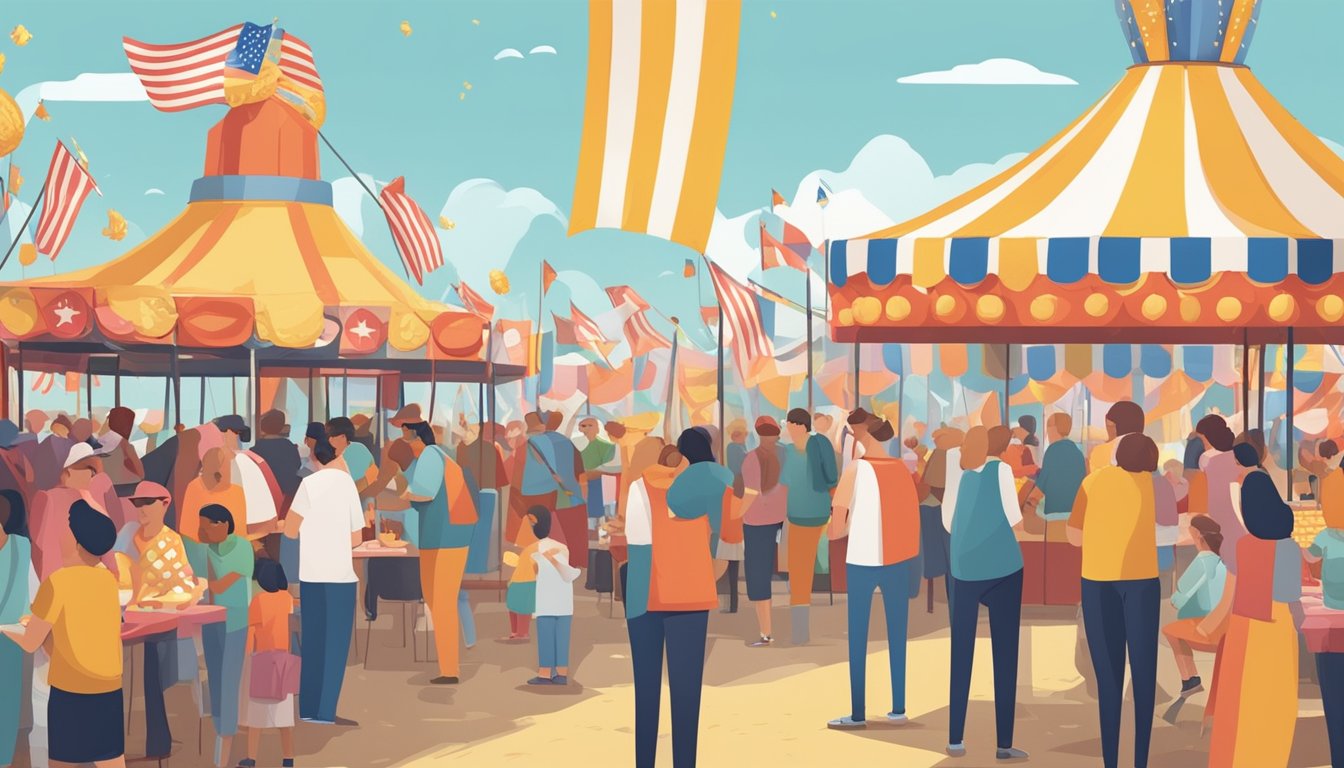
816,85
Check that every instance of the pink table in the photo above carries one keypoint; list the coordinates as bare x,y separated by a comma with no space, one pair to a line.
188,622
1323,627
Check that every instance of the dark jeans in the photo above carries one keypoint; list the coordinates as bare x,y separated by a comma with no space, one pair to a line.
1120,616
327,616
1003,598
682,634
1330,670
160,672
864,580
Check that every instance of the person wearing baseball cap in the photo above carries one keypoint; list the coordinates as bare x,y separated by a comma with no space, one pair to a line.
161,577
251,471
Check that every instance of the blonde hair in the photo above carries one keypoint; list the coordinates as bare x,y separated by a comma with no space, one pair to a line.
975,448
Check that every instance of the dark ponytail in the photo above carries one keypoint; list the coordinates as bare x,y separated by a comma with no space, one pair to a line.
324,451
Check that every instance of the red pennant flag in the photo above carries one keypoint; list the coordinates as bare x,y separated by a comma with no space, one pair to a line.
68,183
776,198
547,276
776,254
412,231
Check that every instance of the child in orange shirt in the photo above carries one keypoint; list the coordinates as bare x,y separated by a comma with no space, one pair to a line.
268,632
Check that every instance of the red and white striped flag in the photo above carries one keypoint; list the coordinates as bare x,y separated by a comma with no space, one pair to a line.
474,302
639,332
68,183
589,334
743,315
188,75
776,254
412,230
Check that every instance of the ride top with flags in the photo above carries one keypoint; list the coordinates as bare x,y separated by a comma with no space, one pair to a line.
655,126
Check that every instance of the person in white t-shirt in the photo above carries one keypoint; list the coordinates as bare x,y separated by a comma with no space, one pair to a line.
248,473
327,519
555,602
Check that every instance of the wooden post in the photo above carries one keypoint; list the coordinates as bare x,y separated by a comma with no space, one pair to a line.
1260,385
1288,458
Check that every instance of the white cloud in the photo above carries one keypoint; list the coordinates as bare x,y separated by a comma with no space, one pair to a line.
489,222
989,72
89,86
509,53
887,181
540,49
153,191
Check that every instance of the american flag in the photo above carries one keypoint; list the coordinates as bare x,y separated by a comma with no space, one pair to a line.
776,254
474,302
412,231
188,75
68,183
639,332
743,315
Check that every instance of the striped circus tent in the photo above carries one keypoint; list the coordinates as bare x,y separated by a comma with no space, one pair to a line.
655,122
1187,196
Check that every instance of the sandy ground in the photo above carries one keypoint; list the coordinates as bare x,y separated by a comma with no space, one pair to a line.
761,707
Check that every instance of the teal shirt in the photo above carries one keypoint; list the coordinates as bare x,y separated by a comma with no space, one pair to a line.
1329,546
1200,587
1062,470
233,555
357,459
983,544
16,557
802,473
427,481
699,491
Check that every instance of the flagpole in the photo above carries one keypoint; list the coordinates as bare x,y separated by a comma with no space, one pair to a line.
671,381
807,275
406,271
541,304
24,227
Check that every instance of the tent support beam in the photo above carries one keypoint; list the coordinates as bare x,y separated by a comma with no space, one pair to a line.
88,388
116,381
177,387
1260,385
312,387
858,352
1246,379
21,385
326,395
4,384
253,387
202,400
1007,379
1288,457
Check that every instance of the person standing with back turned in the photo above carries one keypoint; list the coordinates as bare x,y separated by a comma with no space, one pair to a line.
810,474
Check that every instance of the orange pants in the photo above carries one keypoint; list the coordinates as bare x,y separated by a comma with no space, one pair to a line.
803,543
440,580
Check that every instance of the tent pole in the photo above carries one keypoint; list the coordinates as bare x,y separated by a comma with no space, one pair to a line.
312,410
378,413
1246,380
21,384
202,399
499,506
326,395
1260,384
88,387
1007,379
857,354
177,387
254,386
4,384
116,380
1288,458
233,393
345,393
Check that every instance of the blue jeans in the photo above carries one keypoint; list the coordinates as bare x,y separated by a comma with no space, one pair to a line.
553,641
464,616
1003,598
864,580
160,673
1120,616
224,653
682,635
327,619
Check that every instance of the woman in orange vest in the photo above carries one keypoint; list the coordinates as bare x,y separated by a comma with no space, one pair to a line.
671,589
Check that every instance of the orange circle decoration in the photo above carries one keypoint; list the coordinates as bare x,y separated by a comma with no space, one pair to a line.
1096,305
866,310
845,316
1044,307
1228,309
1282,308
457,333
1154,307
1190,309
1330,308
898,308
990,309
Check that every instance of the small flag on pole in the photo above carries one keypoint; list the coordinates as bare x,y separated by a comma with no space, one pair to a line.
548,276
689,269
822,198
776,254
776,199
68,183
412,231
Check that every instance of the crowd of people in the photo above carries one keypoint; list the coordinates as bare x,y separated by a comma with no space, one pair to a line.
266,529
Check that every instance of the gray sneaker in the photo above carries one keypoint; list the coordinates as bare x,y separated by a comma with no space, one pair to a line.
897,718
956,750
1011,753
846,723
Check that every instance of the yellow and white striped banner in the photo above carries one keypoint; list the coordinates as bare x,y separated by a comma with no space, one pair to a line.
655,125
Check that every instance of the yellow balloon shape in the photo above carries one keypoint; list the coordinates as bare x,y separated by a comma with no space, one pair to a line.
499,281
11,124
27,254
